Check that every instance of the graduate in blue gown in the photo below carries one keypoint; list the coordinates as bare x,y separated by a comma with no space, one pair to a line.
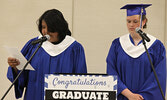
60,54
128,60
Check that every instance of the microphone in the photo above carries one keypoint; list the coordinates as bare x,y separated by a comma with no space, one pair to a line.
42,39
142,34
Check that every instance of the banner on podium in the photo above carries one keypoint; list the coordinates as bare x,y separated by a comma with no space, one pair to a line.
80,87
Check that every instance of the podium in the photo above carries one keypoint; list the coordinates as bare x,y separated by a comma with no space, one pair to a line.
80,87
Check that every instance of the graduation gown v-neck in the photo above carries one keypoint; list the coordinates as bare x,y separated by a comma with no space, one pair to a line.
65,57
131,64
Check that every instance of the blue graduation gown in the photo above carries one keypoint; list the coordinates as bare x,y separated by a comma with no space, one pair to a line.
70,60
134,70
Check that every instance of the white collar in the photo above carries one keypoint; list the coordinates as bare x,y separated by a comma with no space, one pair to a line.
134,51
54,50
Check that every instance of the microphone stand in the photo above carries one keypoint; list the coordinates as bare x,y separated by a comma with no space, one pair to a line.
40,44
152,66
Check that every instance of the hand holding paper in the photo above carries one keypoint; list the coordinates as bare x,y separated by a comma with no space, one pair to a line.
15,53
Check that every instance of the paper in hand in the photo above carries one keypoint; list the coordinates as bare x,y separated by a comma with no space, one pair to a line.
14,52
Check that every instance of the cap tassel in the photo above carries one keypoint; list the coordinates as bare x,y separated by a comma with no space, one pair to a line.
141,17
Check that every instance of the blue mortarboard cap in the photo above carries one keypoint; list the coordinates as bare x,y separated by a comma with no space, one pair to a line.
135,9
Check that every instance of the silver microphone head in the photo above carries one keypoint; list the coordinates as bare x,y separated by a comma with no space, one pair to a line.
47,36
138,29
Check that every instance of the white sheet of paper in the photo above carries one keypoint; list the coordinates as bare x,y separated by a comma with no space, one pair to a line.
14,52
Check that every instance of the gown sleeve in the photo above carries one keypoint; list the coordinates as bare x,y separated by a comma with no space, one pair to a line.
22,80
79,59
111,65
150,89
